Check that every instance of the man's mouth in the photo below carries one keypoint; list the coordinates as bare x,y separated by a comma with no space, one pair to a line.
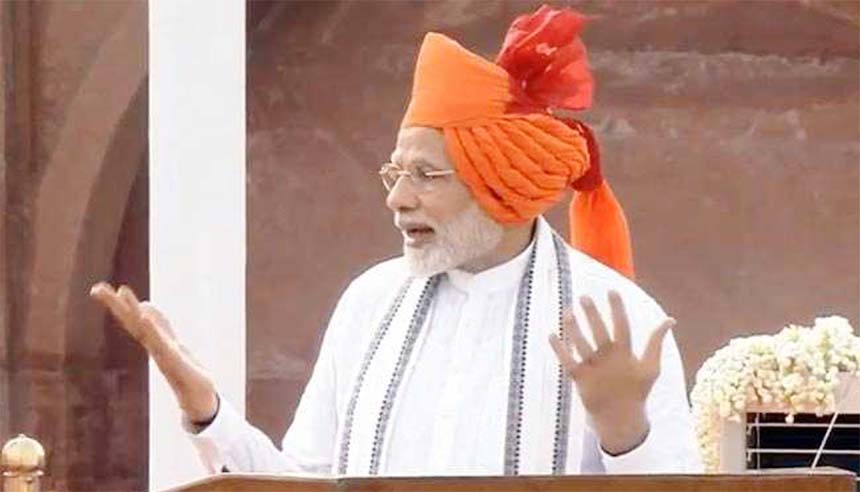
417,235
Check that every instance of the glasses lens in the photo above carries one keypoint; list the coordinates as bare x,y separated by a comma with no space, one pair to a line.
388,173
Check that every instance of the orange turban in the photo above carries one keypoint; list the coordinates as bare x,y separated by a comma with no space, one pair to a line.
516,158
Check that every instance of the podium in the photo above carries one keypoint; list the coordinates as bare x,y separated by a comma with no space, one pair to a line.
819,480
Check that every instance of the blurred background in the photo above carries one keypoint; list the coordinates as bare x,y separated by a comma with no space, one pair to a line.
729,131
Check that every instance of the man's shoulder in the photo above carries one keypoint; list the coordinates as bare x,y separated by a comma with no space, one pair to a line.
359,309
378,280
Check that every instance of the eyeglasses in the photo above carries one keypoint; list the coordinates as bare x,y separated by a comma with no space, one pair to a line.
422,180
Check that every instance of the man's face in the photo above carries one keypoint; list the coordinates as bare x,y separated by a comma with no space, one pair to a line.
442,225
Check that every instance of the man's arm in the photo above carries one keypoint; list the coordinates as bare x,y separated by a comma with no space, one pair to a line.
229,440
231,443
308,446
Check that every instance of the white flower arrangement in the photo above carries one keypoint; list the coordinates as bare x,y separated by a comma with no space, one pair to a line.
794,371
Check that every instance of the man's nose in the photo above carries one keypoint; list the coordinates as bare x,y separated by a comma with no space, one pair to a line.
402,195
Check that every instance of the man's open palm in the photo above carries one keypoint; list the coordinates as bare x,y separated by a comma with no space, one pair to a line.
611,380
193,387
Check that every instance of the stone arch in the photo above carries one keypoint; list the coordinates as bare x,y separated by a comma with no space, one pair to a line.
116,76
79,208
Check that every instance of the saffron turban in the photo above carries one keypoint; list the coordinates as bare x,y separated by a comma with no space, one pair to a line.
516,157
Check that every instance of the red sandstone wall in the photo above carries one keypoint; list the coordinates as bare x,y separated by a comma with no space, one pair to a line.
74,117
729,131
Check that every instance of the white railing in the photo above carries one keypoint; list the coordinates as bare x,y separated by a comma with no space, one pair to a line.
735,451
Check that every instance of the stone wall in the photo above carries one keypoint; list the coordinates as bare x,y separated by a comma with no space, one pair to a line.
4,312
74,208
729,130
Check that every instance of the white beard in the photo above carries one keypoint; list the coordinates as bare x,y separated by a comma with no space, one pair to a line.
465,237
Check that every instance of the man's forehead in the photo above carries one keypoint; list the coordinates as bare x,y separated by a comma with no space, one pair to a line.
420,144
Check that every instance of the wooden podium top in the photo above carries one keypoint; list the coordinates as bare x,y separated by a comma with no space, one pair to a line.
801,480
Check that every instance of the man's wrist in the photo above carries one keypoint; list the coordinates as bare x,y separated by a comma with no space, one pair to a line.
200,424
622,432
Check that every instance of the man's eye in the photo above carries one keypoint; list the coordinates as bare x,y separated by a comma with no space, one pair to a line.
422,175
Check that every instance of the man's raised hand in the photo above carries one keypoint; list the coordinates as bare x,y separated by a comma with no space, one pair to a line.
193,387
612,381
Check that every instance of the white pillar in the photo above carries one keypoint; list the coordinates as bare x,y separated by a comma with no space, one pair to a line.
197,207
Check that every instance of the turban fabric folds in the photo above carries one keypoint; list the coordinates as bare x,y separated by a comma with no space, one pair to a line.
513,154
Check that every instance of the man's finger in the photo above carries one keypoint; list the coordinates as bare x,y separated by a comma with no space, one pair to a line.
651,356
574,337
598,327
564,356
130,299
104,294
620,322
100,287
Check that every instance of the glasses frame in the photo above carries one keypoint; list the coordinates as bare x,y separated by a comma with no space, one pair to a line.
388,166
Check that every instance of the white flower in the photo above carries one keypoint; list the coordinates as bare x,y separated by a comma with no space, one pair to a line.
795,370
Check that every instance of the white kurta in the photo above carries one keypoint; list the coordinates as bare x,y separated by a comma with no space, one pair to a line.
452,413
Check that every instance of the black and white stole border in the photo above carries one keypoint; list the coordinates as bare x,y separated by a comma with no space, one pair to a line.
562,413
361,447
426,291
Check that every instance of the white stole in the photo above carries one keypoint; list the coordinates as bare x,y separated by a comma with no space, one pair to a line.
543,432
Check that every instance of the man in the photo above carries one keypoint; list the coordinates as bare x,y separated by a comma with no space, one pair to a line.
490,346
